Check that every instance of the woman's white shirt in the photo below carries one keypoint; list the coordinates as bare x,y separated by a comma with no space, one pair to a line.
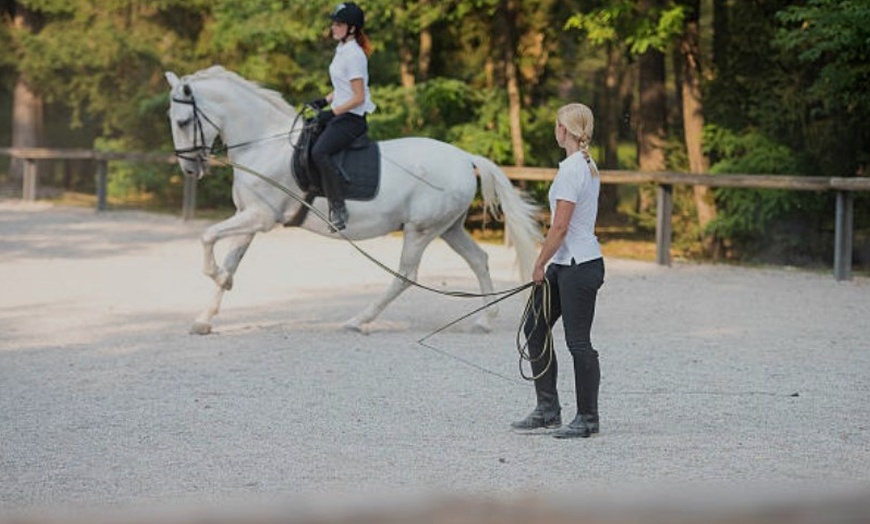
349,63
574,183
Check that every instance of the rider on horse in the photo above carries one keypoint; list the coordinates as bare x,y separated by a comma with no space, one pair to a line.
350,101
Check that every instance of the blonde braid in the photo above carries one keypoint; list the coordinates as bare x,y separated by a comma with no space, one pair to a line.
584,146
580,123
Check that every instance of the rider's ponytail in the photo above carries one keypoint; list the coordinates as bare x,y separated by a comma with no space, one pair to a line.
363,40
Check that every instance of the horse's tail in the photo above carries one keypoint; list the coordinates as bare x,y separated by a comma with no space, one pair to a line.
520,214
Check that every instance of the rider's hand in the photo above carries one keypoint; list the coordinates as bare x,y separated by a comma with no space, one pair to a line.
318,104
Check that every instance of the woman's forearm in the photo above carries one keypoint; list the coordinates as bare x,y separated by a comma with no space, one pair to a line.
552,242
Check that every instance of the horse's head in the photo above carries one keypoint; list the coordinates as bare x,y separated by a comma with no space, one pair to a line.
193,132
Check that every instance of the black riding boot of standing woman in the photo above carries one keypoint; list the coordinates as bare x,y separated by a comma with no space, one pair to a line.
339,133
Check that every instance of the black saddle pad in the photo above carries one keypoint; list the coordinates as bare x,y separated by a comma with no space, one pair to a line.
360,169
359,166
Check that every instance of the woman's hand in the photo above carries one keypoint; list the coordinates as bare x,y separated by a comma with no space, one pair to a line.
538,274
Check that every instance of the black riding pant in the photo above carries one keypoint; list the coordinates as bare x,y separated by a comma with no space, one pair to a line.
339,133
573,292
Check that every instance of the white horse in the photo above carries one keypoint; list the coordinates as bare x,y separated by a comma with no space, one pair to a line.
426,187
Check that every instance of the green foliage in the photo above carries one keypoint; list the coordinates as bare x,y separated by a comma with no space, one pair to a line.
265,40
127,179
833,35
489,133
449,110
744,213
539,132
832,41
625,22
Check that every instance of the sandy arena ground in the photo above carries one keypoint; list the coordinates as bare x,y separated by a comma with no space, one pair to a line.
711,374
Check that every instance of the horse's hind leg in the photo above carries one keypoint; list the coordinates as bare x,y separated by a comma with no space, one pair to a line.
415,242
461,242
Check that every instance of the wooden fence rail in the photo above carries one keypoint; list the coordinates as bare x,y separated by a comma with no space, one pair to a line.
664,182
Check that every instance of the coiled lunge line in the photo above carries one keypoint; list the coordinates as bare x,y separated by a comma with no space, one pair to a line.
540,313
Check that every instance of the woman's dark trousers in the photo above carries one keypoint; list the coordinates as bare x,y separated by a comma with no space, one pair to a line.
573,292
339,133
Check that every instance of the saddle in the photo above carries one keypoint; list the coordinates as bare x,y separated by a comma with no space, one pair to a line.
359,165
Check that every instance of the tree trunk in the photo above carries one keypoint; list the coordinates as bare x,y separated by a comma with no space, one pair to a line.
406,65
508,12
403,42
27,105
612,107
489,72
425,57
651,126
652,117
721,34
693,116
609,115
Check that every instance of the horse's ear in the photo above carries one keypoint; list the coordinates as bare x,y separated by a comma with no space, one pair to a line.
172,78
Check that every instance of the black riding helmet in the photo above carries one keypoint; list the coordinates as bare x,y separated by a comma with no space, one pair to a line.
349,13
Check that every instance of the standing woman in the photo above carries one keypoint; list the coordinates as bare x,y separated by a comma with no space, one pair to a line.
573,277
350,100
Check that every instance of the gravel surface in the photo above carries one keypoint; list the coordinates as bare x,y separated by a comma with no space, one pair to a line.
712,375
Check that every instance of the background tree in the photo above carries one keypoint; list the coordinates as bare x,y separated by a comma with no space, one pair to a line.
693,108
27,103
832,39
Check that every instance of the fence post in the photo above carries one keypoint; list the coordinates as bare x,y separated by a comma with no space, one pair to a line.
28,189
188,205
843,236
664,210
102,183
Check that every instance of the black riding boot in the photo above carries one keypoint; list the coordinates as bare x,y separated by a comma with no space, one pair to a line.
587,378
547,413
338,214
341,131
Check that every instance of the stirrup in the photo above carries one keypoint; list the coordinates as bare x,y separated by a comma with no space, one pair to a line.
338,217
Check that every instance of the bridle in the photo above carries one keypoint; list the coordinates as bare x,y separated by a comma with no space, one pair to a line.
199,146
200,151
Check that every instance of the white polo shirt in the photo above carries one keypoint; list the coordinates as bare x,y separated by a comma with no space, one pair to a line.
349,63
574,183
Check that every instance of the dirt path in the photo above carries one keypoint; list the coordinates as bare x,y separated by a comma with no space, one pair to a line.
711,374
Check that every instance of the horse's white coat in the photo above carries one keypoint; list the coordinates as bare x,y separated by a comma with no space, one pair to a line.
425,191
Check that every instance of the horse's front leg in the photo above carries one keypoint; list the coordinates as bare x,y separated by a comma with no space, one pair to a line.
240,230
241,225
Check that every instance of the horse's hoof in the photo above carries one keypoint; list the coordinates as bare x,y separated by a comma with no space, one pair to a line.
353,325
481,327
200,328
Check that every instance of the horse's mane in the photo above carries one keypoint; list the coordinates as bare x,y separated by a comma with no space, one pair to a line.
270,95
